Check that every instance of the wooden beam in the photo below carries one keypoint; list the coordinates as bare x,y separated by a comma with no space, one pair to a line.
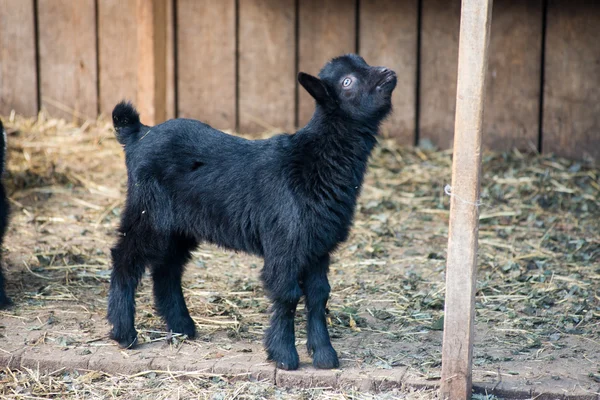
512,100
18,76
267,65
118,55
388,36
206,61
440,28
152,60
571,115
327,29
461,266
67,59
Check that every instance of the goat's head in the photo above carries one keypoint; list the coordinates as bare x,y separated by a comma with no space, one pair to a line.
349,85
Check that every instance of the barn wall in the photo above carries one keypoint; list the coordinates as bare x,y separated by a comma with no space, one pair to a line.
233,64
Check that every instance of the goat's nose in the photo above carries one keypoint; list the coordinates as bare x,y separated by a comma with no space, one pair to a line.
383,70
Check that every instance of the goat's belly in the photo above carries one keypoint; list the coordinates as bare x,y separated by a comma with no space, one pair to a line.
229,237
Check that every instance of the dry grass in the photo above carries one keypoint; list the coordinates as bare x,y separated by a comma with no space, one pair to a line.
30,384
538,286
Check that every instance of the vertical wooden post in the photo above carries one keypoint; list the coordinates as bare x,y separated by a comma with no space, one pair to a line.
152,60
457,352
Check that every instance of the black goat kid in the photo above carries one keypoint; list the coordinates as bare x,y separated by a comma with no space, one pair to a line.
4,300
289,199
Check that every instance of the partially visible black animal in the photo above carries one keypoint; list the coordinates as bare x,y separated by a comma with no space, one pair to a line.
289,199
4,300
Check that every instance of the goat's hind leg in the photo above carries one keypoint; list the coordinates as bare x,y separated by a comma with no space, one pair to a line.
316,291
130,255
4,300
168,296
280,340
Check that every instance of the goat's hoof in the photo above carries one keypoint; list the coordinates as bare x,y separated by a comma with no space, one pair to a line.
126,341
325,358
287,360
288,366
184,326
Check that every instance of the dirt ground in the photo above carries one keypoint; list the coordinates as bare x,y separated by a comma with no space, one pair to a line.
538,299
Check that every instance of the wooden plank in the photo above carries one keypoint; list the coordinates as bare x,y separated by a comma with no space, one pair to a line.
461,263
267,65
513,84
206,61
388,37
571,115
170,60
68,70
152,60
18,75
117,42
117,58
327,29
440,20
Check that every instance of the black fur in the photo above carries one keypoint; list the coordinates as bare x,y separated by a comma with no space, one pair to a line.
4,210
126,121
289,199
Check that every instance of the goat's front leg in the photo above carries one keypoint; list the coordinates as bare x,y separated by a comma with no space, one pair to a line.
280,339
316,292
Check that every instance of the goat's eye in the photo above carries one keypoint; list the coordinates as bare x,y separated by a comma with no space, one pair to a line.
346,82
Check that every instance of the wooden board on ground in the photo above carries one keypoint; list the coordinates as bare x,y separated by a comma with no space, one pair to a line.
571,125
388,37
18,75
440,22
513,83
68,70
267,65
206,61
327,29
117,43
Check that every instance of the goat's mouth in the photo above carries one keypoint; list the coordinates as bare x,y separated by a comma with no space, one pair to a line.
389,80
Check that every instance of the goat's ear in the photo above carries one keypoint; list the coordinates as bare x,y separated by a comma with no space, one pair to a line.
316,88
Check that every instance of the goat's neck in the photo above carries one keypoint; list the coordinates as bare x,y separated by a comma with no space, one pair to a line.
332,153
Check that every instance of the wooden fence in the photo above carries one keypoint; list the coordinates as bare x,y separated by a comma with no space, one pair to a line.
232,63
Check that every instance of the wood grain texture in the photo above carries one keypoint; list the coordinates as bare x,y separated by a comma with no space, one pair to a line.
206,61
170,60
571,125
440,22
513,85
461,263
388,37
68,70
327,29
151,24
117,56
118,51
267,57
18,75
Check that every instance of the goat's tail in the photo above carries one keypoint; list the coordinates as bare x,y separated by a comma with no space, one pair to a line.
126,121
2,148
